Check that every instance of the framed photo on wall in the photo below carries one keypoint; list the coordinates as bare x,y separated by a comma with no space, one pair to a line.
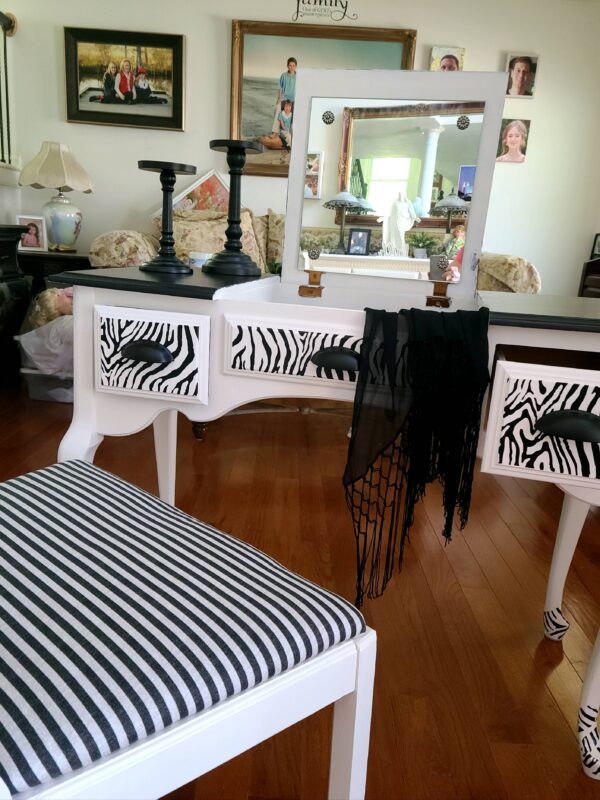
447,58
512,145
522,72
124,78
358,241
35,239
314,175
264,59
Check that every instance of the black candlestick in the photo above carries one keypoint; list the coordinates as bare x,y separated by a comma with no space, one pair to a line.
231,260
166,260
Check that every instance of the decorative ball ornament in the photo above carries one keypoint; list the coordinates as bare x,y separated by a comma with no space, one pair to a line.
463,122
443,262
328,117
314,253
421,108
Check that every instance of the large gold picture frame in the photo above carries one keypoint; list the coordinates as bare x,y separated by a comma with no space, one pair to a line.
259,55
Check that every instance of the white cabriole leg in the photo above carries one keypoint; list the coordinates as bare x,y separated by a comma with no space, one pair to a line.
351,727
572,518
79,442
589,738
165,447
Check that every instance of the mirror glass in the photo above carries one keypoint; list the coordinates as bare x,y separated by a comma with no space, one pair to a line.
388,185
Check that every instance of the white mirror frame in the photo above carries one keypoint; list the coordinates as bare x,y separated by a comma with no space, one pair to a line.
489,87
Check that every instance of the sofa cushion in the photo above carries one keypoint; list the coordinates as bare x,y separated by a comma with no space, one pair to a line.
275,240
204,232
261,232
122,249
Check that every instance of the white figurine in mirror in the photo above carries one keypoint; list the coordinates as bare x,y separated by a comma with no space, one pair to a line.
399,221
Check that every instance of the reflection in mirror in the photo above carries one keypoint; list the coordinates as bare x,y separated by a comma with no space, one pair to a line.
406,172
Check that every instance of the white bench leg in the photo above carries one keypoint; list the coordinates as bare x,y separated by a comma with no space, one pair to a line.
80,442
165,448
589,738
572,518
351,728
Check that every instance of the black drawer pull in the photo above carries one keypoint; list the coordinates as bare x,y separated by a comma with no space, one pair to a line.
341,358
581,426
147,350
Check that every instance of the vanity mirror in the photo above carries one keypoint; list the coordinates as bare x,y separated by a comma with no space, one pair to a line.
396,145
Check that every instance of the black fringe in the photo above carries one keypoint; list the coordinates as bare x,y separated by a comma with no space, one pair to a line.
416,419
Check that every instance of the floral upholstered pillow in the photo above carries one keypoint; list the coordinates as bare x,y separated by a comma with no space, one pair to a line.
261,232
275,240
122,249
204,232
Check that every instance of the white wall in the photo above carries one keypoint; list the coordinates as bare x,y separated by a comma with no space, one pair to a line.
546,209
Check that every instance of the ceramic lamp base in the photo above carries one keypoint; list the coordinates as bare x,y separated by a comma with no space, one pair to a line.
63,223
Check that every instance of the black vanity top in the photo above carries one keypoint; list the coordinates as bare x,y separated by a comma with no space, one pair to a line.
131,279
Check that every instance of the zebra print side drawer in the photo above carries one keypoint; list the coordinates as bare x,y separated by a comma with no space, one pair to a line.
152,353
277,348
521,396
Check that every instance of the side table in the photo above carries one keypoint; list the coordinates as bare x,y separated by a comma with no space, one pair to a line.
42,265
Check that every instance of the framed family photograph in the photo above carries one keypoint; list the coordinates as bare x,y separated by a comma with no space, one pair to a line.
35,239
124,78
358,241
264,60
447,58
522,71
596,247
314,175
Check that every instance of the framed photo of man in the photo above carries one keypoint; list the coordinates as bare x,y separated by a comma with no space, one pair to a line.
522,73
447,58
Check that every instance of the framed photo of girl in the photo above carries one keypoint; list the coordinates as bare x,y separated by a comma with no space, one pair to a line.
35,239
264,60
124,78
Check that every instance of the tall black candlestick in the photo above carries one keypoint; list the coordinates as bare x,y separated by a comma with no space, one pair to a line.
166,260
231,260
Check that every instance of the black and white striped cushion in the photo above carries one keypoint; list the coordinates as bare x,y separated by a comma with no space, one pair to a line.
123,615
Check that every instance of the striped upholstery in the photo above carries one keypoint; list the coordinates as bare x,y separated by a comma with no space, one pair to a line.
123,615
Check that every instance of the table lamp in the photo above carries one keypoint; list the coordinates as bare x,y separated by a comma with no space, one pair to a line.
343,201
451,204
55,167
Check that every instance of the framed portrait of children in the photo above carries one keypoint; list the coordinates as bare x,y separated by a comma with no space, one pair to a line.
35,239
447,58
522,72
124,78
264,59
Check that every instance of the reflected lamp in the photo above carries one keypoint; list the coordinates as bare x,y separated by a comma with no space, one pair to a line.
55,167
451,204
344,201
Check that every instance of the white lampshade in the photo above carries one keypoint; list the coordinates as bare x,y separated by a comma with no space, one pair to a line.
342,200
453,202
55,167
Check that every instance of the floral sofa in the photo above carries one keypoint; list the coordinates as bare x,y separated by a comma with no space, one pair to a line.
262,240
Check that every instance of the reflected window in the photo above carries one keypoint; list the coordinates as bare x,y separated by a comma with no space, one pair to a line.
387,177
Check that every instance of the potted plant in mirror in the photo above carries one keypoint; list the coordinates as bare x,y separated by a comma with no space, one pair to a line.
422,244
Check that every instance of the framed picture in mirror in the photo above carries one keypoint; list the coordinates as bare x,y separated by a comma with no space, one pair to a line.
264,60
358,241
314,176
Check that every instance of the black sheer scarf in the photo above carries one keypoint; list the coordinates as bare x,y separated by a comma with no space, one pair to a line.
417,412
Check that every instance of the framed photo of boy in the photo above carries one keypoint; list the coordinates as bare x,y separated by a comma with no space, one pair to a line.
596,247
35,239
358,241
124,78
264,59
522,72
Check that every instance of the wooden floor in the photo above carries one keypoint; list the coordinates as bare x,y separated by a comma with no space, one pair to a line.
471,701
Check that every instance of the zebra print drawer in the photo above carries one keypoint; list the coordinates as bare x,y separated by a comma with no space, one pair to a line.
277,348
152,353
522,395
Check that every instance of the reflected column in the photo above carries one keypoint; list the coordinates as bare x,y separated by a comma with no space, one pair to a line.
432,136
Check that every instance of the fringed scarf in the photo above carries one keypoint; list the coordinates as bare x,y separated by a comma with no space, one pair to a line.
417,412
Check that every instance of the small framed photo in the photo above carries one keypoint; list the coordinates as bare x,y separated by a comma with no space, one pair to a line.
208,193
512,146
314,176
466,181
35,239
596,247
358,241
522,72
446,58
124,78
